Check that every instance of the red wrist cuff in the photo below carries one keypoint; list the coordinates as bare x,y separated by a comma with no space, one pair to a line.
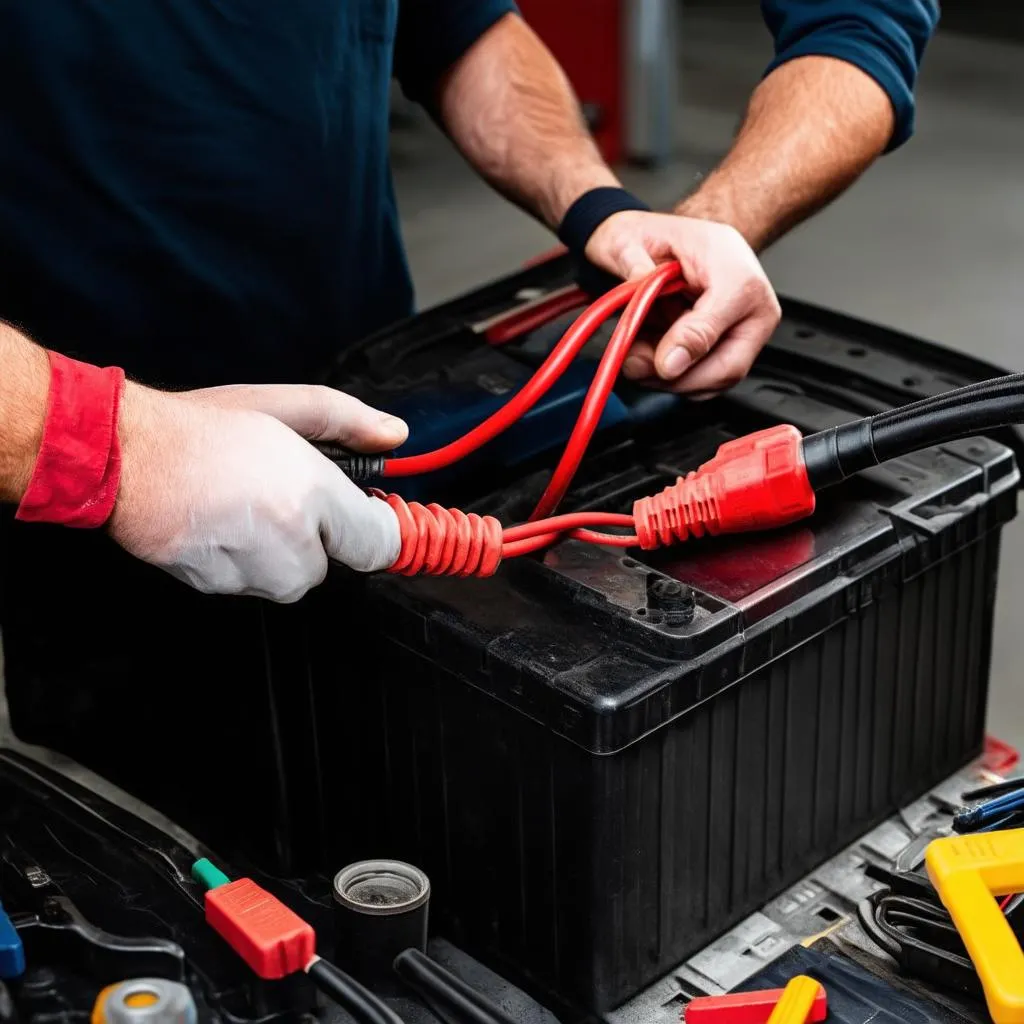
76,475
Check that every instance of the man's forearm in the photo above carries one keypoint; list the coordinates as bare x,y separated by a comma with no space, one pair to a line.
24,383
812,128
511,111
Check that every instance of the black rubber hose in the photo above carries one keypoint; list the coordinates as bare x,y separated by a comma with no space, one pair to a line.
958,396
350,995
1000,389
898,437
447,993
833,455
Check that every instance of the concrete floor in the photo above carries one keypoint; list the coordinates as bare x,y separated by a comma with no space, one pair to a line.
930,242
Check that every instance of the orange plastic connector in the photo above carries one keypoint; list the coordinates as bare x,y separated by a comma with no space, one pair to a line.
968,872
756,482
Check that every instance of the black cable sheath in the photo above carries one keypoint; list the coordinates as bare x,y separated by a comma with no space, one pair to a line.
350,995
446,992
866,915
833,455
354,465
950,416
958,396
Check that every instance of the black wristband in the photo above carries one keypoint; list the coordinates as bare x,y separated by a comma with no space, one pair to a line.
590,211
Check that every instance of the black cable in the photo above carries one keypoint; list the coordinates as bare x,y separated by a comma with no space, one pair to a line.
896,435
991,792
920,936
449,996
958,396
833,455
350,995
880,936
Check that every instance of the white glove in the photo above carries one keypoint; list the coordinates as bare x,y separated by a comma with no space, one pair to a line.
219,488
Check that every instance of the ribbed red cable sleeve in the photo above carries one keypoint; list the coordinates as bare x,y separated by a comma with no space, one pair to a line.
440,541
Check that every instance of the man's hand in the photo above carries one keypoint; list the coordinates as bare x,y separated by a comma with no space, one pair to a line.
509,108
713,345
219,488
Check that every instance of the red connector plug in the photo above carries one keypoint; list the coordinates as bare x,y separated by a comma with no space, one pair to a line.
753,483
272,939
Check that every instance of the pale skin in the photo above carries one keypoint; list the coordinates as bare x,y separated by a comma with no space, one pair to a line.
812,127
23,387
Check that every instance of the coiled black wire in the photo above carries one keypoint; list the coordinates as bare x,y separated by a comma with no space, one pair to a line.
833,455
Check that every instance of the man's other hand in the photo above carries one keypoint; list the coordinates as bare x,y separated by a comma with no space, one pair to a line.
713,345
220,488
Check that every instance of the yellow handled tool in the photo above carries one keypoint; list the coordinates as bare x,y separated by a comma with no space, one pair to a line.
797,1001
968,872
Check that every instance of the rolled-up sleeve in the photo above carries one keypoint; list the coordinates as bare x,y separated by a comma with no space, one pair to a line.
434,34
884,38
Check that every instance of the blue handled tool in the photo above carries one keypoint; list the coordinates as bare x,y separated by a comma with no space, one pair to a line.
12,952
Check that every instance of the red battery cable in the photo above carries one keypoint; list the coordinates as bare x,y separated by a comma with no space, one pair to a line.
757,481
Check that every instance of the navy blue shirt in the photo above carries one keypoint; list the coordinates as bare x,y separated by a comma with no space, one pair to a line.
199,190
